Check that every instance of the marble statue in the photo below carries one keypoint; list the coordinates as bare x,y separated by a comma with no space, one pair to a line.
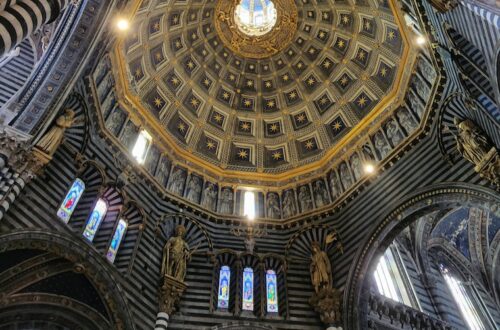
320,268
114,122
273,206
415,104
320,194
54,137
407,121
209,197
345,176
129,135
152,159
356,166
381,145
177,182
194,189
368,153
334,185
176,254
162,171
288,205
306,203
226,204
393,133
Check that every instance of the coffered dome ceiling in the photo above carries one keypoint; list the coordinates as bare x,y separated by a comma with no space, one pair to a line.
275,105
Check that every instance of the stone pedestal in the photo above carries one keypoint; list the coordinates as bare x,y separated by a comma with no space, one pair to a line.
170,293
327,303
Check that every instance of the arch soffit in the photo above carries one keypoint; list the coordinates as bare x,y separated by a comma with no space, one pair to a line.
86,260
406,211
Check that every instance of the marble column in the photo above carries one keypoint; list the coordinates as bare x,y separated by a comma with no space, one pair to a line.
20,18
161,321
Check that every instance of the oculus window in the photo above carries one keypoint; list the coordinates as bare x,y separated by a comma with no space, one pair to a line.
255,17
71,200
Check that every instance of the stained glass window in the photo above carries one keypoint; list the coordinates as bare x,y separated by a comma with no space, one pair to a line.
272,291
141,146
224,285
248,289
95,219
116,240
71,200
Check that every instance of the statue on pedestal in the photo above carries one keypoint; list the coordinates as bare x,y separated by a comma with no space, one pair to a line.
326,299
49,143
474,146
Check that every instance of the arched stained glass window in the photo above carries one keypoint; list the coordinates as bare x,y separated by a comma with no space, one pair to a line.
248,289
95,219
71,200
272,291
224,285
120,230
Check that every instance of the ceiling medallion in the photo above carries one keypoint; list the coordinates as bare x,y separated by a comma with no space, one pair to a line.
256,28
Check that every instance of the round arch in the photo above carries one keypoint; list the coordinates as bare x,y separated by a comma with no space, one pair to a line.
406,211
86,261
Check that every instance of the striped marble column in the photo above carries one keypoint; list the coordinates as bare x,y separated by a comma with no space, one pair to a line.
161,321
20,18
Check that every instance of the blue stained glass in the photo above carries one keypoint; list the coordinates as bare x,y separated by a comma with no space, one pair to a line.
71,200
95,220
272,291
224,286
116,240
248,289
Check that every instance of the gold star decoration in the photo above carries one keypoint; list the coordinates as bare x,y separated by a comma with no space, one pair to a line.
344,81
309,144
245,126
232,77
206,82
270,104
323,100
300,118
178,44
181,127
337,126
190,65
341,43
325,16
391,35
345,19
243,154
158,102
367,25
158,56
274,128
321,34
194,36
218,117
268,84
277,155
210,144
361,55
285,77
312,51
327,64
300,65
225,96
383,72
138,73
249,83
175,19
194,102
292,95
175,81
311,81
362,101
247,103
156,26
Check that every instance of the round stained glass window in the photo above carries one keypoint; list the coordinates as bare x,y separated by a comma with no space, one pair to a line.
255,17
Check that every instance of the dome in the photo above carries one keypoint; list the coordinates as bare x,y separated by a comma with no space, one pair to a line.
255,17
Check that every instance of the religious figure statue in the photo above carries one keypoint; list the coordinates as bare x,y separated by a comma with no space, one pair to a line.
53,138
114,122
356,166
176,254
306,203
209,196
334,185
226,206
393,133
129,135
320,268
382,146
177,182
345,176
162,172
273,206
194,189
320,194
471,144
288,205
407,121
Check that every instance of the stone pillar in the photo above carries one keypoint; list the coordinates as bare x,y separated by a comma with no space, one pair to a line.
161,321
20,18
